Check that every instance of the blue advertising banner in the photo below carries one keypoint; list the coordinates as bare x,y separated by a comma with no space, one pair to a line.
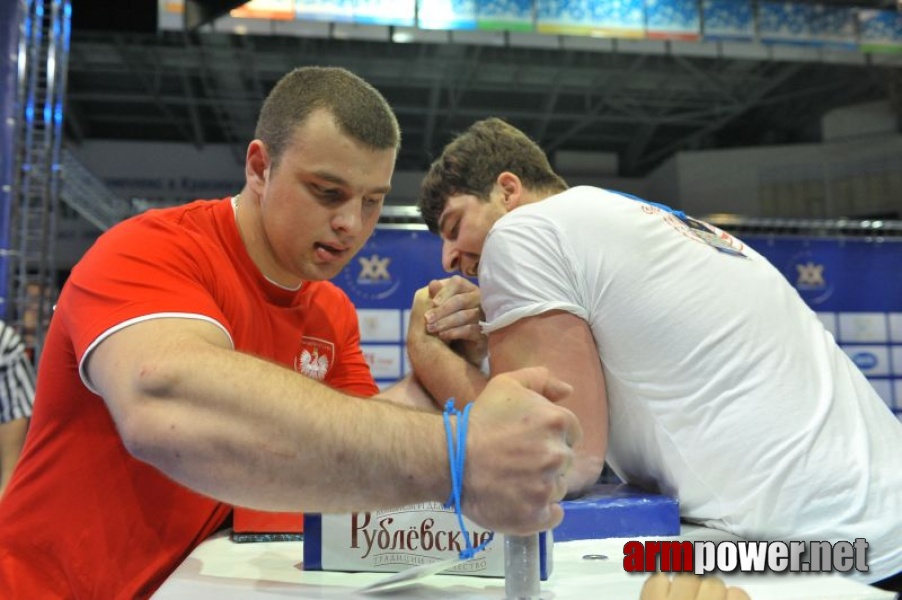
728,19
446,14
838,275
512,15
385,12
672,19
770,21
847,282
809,24
834,26
381,281
880,30
625,18
391,267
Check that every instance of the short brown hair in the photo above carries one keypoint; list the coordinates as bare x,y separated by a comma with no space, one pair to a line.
359,109
471,163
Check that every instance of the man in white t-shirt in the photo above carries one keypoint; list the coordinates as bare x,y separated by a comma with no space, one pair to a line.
698,370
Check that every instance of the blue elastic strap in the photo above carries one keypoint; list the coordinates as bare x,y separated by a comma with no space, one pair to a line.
457,452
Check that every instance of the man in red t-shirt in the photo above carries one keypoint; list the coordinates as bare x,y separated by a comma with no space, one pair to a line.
184,370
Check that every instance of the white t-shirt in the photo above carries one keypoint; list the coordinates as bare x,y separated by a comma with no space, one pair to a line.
724,388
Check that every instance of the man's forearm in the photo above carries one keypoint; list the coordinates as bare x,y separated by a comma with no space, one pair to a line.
253,433
444,373
315,450
439,359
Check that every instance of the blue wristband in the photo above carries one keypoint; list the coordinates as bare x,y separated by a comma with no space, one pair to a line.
457,451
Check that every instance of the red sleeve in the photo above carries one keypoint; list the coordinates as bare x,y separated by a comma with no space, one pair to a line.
163,262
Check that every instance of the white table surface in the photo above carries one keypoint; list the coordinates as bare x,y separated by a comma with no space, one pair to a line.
225,570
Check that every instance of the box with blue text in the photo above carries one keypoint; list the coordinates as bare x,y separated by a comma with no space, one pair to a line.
389,541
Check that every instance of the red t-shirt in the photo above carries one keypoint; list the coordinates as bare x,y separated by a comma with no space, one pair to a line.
83,518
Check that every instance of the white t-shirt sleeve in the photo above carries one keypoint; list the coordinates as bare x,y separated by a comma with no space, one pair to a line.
525,270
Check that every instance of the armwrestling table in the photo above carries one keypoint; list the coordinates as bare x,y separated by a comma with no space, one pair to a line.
583,570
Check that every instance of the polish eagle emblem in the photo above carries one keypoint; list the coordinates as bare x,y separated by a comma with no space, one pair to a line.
314,365
314,357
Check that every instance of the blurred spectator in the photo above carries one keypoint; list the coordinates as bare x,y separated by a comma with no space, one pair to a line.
17,379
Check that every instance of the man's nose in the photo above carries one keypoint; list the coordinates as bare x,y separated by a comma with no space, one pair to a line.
450,257
348,217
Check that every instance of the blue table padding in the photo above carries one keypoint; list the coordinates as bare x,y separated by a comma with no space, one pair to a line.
618,511
313,542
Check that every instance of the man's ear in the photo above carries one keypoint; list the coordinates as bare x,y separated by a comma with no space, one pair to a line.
256,166
511,188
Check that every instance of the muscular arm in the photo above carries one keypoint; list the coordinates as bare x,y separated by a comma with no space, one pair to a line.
443,359
564,344
440,370
253,433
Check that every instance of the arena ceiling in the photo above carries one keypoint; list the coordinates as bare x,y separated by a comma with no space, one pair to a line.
638,102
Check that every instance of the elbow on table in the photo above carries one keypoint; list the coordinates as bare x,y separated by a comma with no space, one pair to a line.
584,474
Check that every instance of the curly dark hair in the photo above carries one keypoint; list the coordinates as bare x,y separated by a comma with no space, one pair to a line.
472,161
